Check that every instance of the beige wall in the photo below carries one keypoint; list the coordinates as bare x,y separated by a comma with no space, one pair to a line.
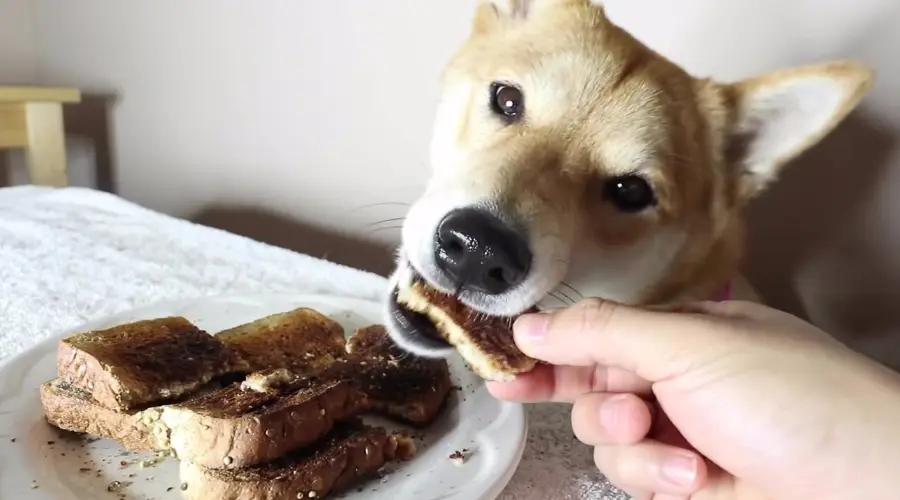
17,57
17,65
309,109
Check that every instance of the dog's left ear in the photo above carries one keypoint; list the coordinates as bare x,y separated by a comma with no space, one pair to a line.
778,116
494,13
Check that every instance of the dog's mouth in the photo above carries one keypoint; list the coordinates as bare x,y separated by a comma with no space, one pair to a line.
414,331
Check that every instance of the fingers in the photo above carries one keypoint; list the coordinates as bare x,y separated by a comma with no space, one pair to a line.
650,466
655,345
564,384
602,419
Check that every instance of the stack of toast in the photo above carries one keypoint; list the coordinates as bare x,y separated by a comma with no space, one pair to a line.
266,410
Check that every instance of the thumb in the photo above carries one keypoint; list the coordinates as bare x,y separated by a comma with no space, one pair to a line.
653,344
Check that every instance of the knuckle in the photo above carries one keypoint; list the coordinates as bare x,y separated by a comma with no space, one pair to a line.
595,315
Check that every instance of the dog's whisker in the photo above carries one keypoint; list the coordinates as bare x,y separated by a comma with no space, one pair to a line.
385,228
572,288
404,206
381,204
386,221
557,297
566,296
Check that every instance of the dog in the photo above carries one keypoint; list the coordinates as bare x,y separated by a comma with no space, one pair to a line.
570,160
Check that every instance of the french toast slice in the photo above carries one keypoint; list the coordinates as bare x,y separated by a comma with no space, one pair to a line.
398,385
485,342
144,362
351,453
302,340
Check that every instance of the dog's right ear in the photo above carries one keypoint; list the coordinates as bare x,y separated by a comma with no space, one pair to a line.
492,14
780,115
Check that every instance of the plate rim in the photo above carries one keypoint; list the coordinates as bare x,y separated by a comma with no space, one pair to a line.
495,488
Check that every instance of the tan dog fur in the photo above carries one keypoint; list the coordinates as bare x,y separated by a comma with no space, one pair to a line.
599,104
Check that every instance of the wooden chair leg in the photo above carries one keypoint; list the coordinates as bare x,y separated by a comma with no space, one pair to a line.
46,153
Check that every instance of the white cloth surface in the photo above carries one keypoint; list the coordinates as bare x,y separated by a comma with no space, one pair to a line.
71,255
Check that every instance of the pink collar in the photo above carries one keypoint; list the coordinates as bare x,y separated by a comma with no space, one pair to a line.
724,293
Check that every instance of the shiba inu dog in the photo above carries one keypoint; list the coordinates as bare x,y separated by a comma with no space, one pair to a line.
571,160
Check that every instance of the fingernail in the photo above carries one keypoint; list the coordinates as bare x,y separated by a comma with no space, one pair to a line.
679,470
531,326
611,412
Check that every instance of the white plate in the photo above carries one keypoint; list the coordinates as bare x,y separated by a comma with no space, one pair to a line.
38,463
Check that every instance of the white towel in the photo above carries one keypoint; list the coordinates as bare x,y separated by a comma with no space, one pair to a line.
71,255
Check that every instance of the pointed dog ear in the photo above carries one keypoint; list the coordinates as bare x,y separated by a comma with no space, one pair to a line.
493,13
780,115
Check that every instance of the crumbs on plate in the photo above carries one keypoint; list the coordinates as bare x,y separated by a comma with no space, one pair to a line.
459,457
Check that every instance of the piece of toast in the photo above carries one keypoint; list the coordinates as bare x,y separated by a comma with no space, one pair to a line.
350,454
303,340
398,385
271,411
144,362
485,342
230,427
73,410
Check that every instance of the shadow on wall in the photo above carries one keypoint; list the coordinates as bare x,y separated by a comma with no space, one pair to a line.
4,169
90,122
88,126
283,232
816,202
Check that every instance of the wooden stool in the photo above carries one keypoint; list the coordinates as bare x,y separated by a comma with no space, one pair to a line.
31,118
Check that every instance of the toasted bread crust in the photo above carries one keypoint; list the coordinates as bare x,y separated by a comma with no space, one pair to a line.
235,428
485,342
73,410
144,362
405,387
223,428
350,454
302,340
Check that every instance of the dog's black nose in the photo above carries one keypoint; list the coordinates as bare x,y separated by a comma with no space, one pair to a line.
478,252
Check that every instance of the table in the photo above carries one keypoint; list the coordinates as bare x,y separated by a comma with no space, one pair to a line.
70,255
31,118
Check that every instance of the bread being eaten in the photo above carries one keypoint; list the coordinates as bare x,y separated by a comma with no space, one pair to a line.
485,342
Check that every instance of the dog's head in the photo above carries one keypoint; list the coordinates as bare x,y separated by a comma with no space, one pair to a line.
567,152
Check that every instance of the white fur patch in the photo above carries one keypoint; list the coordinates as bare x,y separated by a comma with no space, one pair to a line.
621,154
521,8
449,120
626,274
781,119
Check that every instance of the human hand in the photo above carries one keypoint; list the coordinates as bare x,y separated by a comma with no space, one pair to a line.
750,403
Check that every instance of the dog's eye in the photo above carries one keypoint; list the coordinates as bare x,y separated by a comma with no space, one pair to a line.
630,193
507,101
